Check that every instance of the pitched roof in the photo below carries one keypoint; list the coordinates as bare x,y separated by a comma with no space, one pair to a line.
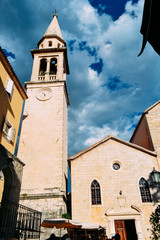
132,145
53,28
143,114
152,106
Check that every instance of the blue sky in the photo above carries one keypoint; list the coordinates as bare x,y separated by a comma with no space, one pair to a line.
109,86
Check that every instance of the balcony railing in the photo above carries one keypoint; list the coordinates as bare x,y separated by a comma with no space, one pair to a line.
19,221
47,77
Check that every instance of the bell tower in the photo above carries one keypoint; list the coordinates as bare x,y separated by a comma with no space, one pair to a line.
43,140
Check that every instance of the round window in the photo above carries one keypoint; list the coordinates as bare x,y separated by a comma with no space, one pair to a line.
116,166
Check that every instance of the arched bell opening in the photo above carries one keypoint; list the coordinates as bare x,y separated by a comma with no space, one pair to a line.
43,67
53,66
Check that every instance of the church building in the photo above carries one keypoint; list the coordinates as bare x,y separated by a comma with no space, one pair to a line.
111,180
43,141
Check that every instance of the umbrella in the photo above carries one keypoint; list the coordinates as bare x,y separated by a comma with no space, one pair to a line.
60,223
67,223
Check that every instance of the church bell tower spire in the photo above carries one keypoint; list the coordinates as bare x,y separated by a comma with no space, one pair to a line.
50,57
44,133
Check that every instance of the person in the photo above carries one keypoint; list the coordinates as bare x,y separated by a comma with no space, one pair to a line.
104,237
89,237
52,237
117,236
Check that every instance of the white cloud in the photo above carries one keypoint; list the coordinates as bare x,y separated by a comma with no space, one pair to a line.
95,134
95,111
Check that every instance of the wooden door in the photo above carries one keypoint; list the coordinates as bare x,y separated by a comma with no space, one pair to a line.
121,229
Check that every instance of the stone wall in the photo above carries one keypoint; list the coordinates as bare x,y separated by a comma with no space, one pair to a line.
97,163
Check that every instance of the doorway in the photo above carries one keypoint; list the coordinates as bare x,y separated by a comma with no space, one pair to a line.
126,229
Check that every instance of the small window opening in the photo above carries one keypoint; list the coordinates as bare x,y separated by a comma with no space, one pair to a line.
49,43
59,45
43,66
53,66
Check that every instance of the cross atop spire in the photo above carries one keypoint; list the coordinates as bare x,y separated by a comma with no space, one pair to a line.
55,13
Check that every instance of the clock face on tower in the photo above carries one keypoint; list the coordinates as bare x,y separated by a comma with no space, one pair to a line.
44,94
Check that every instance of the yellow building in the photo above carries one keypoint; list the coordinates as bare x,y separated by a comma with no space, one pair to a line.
12,96
11,100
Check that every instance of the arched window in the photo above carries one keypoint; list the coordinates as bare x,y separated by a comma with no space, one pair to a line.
144,189
43,66
95,193
53,66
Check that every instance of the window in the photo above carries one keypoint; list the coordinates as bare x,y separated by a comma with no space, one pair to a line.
116,166
9,131
9,87
95,193
50,44
144,190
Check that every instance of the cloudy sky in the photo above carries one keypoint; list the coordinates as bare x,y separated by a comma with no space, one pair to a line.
109,86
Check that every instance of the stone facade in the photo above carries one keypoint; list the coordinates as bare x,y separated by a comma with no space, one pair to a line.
151,120
43,140
120,193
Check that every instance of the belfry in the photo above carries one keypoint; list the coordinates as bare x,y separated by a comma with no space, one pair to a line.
43,140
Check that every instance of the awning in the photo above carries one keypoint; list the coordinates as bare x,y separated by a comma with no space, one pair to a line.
69,224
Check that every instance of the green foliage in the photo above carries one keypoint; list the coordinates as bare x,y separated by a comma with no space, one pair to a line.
24,195
66,216
155,223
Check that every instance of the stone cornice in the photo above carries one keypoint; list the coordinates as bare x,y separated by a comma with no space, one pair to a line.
41,196
50,82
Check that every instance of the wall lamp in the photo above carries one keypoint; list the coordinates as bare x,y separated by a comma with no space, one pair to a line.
155,175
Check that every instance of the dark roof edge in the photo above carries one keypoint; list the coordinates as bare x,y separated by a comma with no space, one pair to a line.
11,72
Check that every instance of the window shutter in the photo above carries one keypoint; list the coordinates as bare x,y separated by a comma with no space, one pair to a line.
13,134
4,127
9,86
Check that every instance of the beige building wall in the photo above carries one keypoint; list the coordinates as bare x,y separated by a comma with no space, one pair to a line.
44,135
41,140
153,119
97,163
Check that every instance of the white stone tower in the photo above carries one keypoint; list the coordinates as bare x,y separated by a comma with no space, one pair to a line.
43,140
